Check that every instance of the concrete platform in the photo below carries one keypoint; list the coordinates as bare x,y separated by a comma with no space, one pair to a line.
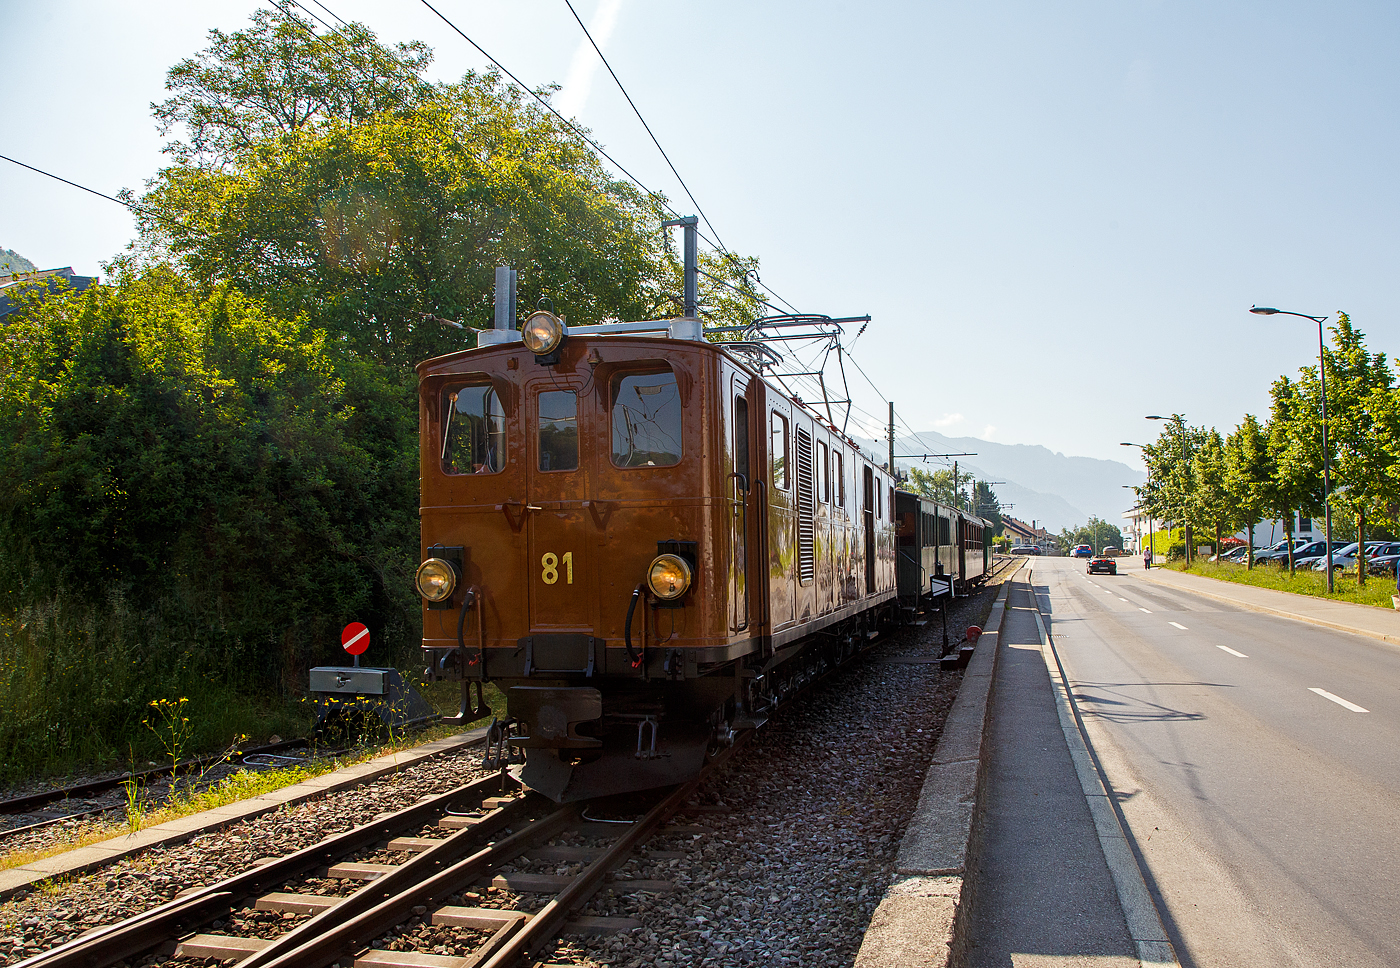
89,858
917,922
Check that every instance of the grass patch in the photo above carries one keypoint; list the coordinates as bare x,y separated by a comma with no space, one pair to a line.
1376,592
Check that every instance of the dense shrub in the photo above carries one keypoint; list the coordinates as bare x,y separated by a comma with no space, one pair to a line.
191,491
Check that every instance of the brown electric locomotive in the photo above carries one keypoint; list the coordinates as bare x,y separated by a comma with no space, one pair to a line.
642,541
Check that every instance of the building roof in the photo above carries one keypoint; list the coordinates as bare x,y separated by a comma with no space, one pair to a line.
55,279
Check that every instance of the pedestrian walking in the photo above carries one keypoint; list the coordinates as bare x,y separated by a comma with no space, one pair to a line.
1147,558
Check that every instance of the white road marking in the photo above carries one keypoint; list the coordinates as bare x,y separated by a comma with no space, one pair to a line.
1121,598
1147,610
1338,700
1178,625
1226,648
1094,583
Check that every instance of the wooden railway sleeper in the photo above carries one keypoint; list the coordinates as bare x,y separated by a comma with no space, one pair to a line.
318,947
113,943
386,887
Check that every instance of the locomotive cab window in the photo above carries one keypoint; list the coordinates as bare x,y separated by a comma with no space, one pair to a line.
778,451
473,430
558,430
646,420
823,473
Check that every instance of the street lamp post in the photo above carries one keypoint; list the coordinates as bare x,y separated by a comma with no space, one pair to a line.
1180,421
1326,460
1149,487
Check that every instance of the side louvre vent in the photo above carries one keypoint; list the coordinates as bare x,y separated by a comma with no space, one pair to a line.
806,508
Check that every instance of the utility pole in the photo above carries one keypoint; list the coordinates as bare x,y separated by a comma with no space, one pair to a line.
891,437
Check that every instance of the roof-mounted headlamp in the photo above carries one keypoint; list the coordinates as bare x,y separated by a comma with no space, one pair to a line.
543,334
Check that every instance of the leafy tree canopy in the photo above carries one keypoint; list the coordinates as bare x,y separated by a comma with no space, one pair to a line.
374,202
162,443
1095,532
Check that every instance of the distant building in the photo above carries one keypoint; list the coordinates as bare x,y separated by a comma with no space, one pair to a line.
1266,533
55,279
1022,533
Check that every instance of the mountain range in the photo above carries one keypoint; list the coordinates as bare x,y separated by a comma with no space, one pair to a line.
1049,488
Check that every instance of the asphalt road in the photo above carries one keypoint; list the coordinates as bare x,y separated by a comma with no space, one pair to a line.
1256,761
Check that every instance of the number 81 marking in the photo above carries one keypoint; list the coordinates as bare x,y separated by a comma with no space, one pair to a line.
550,563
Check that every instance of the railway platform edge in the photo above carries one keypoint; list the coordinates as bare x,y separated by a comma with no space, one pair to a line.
85,859
920,921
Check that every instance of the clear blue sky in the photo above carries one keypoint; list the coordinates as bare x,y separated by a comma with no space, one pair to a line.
1058,214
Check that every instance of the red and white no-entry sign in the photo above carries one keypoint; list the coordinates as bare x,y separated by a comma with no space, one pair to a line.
355,638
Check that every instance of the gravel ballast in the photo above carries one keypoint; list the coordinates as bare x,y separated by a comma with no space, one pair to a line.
802,828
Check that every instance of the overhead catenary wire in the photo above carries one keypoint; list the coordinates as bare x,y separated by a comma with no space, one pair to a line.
544,101
716,245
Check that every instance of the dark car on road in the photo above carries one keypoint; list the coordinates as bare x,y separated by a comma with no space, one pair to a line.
1082,551
1103,563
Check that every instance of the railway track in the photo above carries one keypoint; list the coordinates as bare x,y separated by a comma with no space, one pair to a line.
466,879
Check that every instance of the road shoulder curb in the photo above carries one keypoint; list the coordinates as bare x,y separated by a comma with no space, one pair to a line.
85,859
922,918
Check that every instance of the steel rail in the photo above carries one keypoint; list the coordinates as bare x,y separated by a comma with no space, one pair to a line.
347,938
108,945
546,923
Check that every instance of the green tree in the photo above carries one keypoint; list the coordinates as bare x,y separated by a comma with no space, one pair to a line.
279,77
1359,385
377,205
1249,476
1096,532
1212,504
985,503
168,445
1295,450
939,486
1170,494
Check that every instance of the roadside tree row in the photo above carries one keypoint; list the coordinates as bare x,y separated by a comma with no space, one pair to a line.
1218,484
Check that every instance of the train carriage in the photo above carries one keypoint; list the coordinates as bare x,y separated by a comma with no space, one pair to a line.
639,538
938,541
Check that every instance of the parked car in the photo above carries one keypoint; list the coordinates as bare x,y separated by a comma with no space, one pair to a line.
1234,554
1025,550
1279,552
1103,563
1381,561
1306,556
1344,558
1083,551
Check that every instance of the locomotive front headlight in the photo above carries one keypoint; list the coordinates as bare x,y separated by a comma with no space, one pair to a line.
542,332
668,577
436,580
